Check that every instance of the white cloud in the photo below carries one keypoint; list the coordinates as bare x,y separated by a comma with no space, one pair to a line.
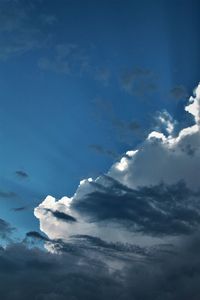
165,119
166,158
160,158
194,106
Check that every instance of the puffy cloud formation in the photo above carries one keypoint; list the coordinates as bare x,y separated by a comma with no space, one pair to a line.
153,190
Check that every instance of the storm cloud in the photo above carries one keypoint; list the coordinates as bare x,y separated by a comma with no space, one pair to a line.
167,275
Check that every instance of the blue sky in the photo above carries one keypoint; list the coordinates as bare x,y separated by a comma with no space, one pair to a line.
100,149
80,84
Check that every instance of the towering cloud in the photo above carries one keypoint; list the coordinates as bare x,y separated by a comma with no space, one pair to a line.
152,191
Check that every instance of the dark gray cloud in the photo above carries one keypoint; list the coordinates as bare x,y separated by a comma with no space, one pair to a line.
18,209
31,273
157,210
47,276
62,216
6,230
102,245
36,235
174,275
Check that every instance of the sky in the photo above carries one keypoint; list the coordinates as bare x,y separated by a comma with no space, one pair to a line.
100,149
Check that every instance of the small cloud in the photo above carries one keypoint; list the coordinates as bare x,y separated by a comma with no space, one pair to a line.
62,216
21,174
133,126
36,235
100,150
125,130
138,81
165,122
179,92
17,209
7,194
5,229
67,59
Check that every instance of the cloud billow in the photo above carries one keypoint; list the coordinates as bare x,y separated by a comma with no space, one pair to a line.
153,190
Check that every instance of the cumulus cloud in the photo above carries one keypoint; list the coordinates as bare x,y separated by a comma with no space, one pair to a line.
128,234
162,157
152,190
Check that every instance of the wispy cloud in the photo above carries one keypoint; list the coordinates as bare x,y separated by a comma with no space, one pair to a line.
101,150
179,92
21,208
19,31
138,81
21,174
67,58
7,194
